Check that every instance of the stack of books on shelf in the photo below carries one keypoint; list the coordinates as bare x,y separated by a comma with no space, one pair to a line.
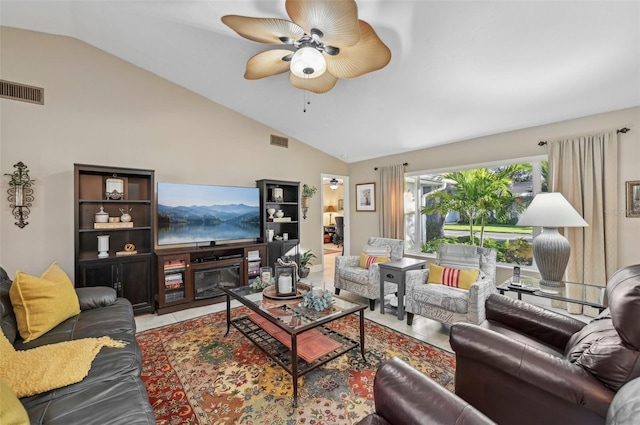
173,281
174,265
173,296
281,219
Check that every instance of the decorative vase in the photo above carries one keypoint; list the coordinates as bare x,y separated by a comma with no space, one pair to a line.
303,272
103,246
269,235
125,217
101,216
280,214
271,211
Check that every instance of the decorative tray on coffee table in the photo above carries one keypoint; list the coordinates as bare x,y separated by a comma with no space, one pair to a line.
270,292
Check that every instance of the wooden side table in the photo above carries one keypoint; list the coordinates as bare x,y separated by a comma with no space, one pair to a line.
394,272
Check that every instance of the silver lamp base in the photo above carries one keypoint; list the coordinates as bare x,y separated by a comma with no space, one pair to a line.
551,251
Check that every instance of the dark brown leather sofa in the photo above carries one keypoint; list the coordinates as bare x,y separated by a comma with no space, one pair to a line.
526,365
405,396
112,393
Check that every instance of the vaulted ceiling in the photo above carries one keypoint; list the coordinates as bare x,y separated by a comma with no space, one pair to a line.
459,69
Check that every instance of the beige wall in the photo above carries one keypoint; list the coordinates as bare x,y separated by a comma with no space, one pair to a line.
104,111
101,110
512,145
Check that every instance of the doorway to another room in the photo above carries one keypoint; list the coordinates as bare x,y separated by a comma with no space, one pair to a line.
334,199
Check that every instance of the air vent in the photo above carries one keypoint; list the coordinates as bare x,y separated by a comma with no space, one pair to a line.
23,92
283,142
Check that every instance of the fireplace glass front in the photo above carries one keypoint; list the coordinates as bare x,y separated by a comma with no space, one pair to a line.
209,282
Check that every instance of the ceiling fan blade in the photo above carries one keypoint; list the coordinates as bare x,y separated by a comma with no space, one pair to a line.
321,84
266,64
368,55
264,30
338,20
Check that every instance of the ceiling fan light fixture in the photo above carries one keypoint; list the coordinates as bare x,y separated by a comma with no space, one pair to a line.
333,183
308,62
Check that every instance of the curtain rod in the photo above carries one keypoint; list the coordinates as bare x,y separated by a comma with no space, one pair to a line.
404,163
620,130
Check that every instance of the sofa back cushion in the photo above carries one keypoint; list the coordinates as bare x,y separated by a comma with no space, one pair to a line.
395,246
469,257
598,349
9,325
623,294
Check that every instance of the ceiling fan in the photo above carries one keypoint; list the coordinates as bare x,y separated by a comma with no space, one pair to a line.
325,42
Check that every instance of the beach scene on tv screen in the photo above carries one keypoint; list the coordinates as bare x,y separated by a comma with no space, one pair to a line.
189,213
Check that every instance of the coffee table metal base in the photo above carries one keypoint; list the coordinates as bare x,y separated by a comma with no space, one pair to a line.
288,358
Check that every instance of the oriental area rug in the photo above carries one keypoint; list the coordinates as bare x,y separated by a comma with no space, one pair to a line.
196,375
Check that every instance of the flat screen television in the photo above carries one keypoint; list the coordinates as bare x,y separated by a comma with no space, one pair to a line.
193,213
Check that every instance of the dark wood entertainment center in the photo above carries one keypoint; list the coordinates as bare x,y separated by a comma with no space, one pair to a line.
194,276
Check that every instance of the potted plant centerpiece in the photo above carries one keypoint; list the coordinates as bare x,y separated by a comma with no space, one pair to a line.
305,261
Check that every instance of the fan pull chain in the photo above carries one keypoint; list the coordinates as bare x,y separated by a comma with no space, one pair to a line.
306,100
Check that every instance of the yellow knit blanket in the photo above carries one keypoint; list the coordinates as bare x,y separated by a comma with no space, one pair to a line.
34,371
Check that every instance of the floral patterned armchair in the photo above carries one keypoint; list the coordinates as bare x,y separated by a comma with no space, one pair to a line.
366,282
448,304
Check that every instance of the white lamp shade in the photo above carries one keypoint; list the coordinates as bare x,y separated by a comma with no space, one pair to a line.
551,210
308,62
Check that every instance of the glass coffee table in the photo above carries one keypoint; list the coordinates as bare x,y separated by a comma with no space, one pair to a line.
294,337
571,292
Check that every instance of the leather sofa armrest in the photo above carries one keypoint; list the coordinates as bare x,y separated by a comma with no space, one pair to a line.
544,325
531,366
95,297
404,395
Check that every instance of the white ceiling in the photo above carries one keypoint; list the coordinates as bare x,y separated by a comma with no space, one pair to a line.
459,70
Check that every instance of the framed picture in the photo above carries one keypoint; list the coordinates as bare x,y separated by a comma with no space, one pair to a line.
633,199
366,197
340,204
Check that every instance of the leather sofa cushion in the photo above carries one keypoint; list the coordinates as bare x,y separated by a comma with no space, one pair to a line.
106,321
110,364
599,349
122,401
623,293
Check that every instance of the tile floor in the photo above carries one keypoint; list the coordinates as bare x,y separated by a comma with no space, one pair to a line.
423,329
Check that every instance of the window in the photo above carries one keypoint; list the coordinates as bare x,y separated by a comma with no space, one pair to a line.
483,204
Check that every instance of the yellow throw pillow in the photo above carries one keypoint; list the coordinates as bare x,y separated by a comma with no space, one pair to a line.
367,260
42,303
457,278
12,412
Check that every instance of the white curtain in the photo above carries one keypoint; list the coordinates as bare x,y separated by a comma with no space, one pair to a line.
585,170
392,202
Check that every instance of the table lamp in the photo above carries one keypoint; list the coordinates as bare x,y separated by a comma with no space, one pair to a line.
551,250
330,209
